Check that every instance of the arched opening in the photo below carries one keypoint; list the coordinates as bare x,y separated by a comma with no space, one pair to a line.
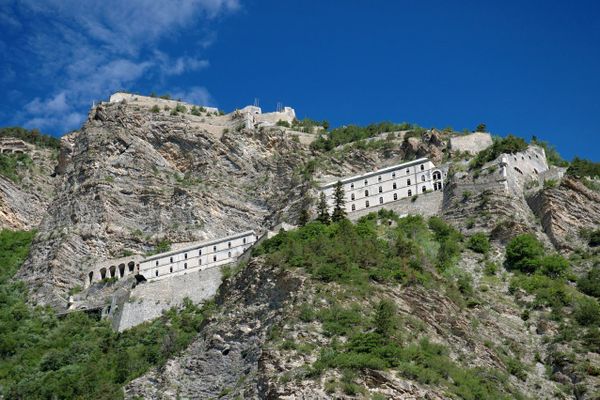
91,276
518,170
351,198
121,270
437,175
424,189
113,271
409,193
353,207
381,200
395,196
366,193
131,266
102,273
394,186
422,178
408,182
380,189
367,203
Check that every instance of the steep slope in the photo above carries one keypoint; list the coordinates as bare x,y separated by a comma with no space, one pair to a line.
26,185
131,178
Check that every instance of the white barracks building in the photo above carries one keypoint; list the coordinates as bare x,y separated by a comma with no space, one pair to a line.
197,257
387,185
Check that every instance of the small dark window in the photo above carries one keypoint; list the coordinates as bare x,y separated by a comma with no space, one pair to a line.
381,200
379,178
409,193
352,186
214,258
185,256
408,170
366,192
423,178
352,196
170,269
408,182
200,252
171,259
395,196
244,240
393,174
367,203
156,273
214,248
422,167
394,185
380,189
199,262
229,244
156,262
185,266
366,182
424,189
229,254
353,207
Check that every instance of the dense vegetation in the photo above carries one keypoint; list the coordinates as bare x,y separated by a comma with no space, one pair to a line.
11,164
31,136
584,168
43,356
364,327
353,133
510,144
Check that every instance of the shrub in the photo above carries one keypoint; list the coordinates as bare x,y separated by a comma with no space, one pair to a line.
283,123
384,320
523,252
550,183
479,243
510,144
553,265
490,268
580,168
155,109
590,283
594,240
587,312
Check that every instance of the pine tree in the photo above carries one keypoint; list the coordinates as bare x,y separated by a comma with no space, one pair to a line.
322,213
339,210
304,212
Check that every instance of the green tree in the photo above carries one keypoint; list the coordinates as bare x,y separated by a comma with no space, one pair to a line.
384,319
339,209
479,243
481,128
523,253
322,209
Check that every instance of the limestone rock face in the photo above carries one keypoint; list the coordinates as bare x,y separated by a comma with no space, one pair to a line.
130,178
565,210
23,203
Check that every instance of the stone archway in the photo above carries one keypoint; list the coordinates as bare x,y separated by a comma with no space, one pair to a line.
113,271
102,273
131,266
121,270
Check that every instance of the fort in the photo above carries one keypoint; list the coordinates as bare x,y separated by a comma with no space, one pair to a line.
13,146
387,185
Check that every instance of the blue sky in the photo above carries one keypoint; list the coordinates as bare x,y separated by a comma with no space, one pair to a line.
528,68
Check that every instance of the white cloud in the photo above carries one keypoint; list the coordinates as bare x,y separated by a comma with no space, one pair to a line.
196,95
85,50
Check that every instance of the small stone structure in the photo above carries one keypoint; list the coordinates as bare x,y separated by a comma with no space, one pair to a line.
387,185
472,143
9,145
254,117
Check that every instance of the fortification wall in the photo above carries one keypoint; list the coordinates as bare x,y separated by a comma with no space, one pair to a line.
472,143
149,300
427,204
151,101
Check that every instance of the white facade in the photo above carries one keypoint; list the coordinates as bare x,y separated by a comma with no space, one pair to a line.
198,257
387,185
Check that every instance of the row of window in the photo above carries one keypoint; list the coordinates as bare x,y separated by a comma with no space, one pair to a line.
185,265
394,187
393,176
185,255
409,193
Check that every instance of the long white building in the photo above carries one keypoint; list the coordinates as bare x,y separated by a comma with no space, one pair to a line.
197,256
387,185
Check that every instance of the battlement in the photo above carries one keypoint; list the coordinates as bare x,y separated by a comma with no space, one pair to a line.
152,101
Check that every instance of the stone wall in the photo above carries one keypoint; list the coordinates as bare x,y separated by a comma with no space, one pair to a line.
427,204
151,101
472,143
149,300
